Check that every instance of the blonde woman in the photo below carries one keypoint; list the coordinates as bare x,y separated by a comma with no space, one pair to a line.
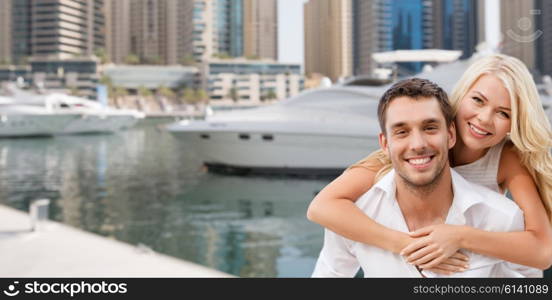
504,143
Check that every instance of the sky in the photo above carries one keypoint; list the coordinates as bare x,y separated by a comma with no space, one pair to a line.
290,31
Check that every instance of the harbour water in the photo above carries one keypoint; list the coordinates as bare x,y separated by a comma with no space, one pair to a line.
144,187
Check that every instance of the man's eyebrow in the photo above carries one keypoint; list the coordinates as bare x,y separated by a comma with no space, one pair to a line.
431,121
398,124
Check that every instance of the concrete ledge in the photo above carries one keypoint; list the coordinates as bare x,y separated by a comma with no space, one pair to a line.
57,250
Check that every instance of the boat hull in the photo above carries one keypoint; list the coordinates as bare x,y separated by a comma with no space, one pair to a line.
277,153
98,123
34,125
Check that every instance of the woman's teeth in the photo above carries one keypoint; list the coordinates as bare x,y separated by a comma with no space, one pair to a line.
478,131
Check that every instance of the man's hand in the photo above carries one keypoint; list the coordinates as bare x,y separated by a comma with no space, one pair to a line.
435,246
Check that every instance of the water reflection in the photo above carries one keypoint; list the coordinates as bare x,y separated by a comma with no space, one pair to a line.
144,187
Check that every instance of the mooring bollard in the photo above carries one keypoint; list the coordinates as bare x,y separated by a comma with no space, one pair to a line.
38,213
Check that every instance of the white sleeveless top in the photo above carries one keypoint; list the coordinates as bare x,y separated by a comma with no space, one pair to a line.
484,171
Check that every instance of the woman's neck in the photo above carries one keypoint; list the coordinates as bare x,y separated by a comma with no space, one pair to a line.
462,155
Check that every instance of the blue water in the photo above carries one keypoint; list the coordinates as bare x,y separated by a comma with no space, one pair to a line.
146,188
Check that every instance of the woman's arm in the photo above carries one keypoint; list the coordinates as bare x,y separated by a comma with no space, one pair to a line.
334,208
533,247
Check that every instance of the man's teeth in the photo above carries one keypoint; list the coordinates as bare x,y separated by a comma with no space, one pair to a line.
419,161
478,131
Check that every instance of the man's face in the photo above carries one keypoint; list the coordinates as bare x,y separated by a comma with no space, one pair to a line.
417,139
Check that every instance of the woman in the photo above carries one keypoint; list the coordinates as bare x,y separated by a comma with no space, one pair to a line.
504,142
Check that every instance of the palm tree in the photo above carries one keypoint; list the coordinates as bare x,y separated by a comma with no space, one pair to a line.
201,95
120,92
166,94
143,93
271,95
188,96
132,59
102,55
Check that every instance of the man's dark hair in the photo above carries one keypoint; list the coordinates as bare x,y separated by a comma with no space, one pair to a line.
415,88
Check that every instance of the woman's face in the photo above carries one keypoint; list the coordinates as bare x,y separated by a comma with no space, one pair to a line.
483,118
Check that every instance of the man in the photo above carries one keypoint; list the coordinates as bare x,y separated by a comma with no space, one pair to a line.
417,132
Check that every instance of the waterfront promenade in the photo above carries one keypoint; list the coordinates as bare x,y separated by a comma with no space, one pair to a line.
57,250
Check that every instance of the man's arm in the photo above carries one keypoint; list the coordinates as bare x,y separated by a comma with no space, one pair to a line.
336,258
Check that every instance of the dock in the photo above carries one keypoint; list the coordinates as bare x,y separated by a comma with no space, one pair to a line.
58,250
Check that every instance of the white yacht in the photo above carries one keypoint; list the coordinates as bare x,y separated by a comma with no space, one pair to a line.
24,120
94,117
318,132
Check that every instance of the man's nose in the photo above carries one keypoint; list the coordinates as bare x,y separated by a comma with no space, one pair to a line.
418,141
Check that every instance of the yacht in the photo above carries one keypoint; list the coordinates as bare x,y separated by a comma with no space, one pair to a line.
93,116
318,132
18,120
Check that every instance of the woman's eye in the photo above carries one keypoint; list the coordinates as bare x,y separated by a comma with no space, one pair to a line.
477,100
504,114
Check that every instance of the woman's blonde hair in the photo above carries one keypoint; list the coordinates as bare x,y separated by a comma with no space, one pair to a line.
531,132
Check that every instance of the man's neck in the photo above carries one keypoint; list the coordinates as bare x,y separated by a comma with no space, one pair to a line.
425,206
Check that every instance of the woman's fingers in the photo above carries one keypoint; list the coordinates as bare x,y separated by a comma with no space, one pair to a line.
421,232
461,256
408,250
434,262
420,253
428,258
456,262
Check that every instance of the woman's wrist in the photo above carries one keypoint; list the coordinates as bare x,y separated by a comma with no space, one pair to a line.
401,240
463,234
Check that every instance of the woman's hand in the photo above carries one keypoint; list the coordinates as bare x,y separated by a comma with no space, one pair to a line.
458,262
435,244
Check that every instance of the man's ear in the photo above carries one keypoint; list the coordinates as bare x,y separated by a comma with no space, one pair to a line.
452,135
383,142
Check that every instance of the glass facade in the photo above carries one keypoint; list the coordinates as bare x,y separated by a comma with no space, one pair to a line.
408,30
459,26
229,27
21,27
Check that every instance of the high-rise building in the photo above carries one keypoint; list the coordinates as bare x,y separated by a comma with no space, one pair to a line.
117,23
65,28
412,27
5,32
260,20
202,30
158,32
456,25
55,28
228,27
21,31
328,38
371,33
543,18
517,25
